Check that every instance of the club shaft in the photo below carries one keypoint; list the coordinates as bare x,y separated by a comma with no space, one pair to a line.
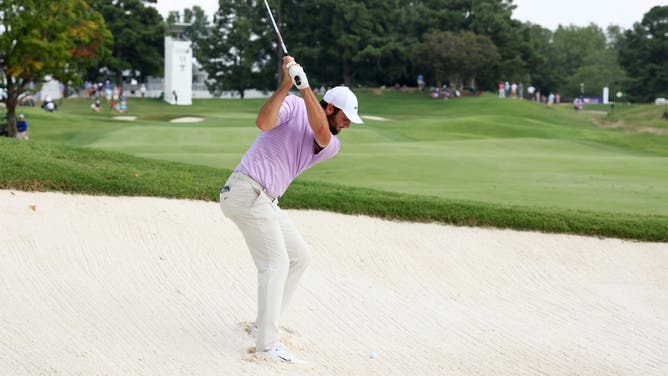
273,22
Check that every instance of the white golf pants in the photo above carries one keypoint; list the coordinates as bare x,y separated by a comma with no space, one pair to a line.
280,253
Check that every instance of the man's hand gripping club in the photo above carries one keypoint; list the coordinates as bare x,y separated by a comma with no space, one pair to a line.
297,74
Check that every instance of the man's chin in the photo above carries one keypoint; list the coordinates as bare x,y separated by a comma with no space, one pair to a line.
333,130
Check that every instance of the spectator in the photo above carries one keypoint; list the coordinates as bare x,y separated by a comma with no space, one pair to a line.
48,104
531,90
578,104
122,106
22,128
420,82
142,90
95,106
550,100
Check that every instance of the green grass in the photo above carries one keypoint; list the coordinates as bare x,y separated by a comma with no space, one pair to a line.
474,161
35,166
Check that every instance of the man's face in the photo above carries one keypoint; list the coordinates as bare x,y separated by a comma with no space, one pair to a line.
337,121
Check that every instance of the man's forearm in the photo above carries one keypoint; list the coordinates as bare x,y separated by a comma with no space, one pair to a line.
316,117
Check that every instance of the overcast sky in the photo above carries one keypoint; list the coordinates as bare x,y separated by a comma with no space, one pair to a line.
548,13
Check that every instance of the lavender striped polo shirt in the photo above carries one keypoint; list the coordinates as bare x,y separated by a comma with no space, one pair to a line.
279,155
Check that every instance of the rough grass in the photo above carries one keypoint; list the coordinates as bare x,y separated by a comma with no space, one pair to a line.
36,166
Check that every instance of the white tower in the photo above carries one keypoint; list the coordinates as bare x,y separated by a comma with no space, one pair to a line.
178,66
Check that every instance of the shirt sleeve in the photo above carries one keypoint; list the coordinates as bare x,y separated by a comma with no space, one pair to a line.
285,113
330,151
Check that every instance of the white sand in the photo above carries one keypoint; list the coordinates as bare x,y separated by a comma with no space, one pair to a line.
371,117
146,286
125,118
187,119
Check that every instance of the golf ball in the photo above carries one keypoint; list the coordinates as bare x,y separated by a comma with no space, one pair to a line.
373,355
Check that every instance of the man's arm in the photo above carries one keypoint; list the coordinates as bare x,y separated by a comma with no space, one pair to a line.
267,117
316,118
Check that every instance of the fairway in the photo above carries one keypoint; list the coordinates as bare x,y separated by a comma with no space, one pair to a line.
504,152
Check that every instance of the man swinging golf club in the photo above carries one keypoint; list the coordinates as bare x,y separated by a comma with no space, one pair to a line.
296,134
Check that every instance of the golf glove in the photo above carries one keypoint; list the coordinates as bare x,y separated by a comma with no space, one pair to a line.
298,76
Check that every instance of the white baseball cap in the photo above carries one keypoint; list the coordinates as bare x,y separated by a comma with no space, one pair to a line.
341,97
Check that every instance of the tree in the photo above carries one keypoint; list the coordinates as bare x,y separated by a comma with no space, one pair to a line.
572,46
643,52
493,18
337,36
39,38
347,41
385,54
542,70
599,69
138,38
238,53
456,56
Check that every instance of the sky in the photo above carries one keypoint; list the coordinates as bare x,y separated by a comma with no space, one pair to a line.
547,13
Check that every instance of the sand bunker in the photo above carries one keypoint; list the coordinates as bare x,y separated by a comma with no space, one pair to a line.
371,117
126,118
102,285
187,119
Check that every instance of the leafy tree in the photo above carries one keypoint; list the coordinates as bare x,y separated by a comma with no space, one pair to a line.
543,72
351,42
138,32
598,70
238,53
493,18
458,57
572,46
384,57
643,52
328,35
573,55
40,38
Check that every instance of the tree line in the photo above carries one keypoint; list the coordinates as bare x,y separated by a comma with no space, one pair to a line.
358,43
459,43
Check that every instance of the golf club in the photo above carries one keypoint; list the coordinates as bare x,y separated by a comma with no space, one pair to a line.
273,22
298,80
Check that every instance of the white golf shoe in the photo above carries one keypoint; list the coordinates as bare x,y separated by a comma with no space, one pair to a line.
281,353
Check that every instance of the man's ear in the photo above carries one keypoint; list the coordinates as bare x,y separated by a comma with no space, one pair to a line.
329,109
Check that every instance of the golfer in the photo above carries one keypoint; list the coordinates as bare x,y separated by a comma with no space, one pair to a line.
296,134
